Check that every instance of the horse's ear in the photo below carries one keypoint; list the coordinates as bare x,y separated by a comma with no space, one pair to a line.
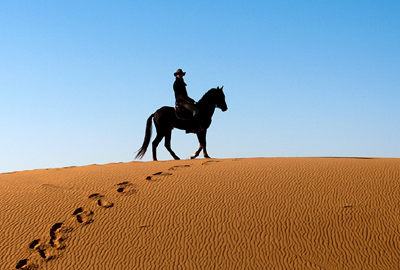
222,87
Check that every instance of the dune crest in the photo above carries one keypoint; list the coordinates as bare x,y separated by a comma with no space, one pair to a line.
260,213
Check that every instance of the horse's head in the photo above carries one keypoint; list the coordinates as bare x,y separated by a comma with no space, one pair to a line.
214,98
220,99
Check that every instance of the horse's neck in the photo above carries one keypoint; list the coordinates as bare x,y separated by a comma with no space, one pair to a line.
209,111
206,108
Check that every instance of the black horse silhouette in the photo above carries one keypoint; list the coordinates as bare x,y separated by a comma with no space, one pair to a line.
165,120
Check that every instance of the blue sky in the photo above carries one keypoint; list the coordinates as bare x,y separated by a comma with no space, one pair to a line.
78,79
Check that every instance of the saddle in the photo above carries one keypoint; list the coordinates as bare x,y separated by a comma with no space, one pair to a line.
186,115
183,114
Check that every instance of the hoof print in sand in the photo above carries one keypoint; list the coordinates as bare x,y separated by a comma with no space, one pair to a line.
209,161
126,188
95,196
178,166
83,216
151,177
34,244
45,255
41,249
57,236
24,264
104,203
100,201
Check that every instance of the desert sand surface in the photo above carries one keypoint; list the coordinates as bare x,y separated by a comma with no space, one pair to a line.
252,213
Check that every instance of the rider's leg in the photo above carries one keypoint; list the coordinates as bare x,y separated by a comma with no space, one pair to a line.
190,107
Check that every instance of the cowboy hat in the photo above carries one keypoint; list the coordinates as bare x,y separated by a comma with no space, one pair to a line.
179,71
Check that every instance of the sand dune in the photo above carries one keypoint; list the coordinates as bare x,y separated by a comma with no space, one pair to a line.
265,213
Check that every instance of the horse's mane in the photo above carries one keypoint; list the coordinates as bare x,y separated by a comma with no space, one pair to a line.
209,94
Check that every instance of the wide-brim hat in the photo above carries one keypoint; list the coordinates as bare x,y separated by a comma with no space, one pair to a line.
179,71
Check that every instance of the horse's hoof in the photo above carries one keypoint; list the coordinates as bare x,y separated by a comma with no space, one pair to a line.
192,157
207,157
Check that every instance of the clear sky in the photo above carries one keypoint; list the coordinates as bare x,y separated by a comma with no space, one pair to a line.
78,79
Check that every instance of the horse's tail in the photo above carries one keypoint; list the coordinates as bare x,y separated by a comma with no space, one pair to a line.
147,137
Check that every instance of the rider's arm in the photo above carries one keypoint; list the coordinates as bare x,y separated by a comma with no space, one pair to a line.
187,99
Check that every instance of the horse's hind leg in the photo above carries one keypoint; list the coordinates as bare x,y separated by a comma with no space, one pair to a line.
155,143
168,144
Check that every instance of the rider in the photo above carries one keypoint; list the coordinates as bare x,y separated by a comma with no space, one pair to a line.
182,99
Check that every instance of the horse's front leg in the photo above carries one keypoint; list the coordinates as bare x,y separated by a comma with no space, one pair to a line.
196,154
201,136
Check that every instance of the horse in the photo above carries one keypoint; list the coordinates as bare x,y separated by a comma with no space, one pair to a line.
165,120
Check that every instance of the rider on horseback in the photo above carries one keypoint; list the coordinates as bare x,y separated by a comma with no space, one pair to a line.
183,100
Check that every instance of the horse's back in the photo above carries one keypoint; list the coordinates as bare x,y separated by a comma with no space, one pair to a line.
165,110
164,114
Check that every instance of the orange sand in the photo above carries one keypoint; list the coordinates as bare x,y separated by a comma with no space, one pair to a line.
266,213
